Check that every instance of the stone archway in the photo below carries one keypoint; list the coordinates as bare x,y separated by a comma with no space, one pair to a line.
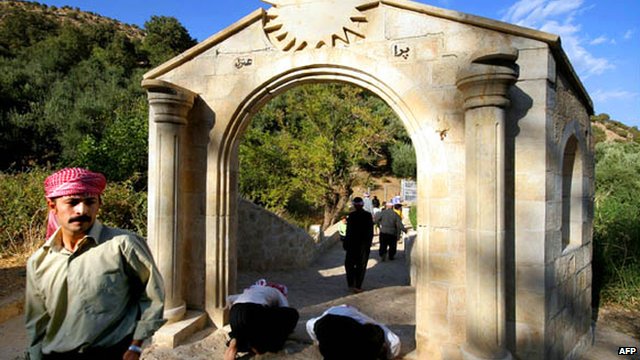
474,97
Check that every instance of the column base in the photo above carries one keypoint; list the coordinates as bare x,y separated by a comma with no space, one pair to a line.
173,334
176,313
469,353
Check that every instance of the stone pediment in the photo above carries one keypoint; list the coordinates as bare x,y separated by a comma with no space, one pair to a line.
294,26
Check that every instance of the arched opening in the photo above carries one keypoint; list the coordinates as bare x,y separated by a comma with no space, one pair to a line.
321,280
572,196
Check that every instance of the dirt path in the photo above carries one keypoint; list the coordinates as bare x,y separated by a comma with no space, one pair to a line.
325,280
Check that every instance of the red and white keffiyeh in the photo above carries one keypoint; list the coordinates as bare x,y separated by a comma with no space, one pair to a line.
71,181
281,287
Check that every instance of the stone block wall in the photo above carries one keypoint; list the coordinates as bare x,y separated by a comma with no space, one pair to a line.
526,174
265,241
568,260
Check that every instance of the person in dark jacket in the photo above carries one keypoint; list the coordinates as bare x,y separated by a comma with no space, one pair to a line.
391,229
357,244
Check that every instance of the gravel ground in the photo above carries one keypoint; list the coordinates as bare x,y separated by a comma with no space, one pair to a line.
387,299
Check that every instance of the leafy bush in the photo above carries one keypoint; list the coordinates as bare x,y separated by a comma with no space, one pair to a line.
617,222
413,216
621,132
124,207
70,90
403,160
598,134
23,212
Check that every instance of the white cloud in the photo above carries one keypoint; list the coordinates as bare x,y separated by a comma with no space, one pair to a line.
599,40
629,34
532,13
560,17
604,96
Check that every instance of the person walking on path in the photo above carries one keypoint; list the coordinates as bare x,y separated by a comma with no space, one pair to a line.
391,229
357,244
368,203
398,209
93,292
375,202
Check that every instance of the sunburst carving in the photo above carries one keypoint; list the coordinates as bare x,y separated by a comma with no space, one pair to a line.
294,25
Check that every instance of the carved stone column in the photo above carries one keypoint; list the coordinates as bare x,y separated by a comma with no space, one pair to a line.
168,109
484,85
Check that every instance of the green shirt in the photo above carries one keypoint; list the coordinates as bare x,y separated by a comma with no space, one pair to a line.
107,289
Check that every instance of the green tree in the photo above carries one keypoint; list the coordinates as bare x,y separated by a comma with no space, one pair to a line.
601,118
309,143
122,149
403,160
70,90
166,38
21,28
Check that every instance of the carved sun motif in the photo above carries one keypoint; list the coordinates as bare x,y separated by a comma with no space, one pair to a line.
294,25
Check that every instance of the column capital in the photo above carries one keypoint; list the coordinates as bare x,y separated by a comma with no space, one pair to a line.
487,79
170,103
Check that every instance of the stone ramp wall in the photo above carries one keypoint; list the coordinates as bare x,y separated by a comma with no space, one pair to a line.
266,241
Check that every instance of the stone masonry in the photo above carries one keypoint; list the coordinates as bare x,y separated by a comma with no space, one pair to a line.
500,124
267,242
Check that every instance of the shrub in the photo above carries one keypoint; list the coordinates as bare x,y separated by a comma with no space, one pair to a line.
598,134
124,207
617,222
413,216
23,212
621,132
403,163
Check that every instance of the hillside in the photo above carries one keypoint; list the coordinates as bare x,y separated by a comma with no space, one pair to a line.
70,87
607,129
66,14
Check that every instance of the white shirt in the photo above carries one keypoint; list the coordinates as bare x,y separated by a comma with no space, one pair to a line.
258,294
392,340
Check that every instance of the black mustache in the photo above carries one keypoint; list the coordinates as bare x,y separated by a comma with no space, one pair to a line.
81,218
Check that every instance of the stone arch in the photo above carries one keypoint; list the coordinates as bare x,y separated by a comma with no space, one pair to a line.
575,191
463,86
322,73
226,158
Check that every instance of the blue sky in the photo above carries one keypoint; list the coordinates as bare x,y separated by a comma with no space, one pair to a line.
601,37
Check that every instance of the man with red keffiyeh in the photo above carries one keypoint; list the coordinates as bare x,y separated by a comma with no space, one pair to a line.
93,292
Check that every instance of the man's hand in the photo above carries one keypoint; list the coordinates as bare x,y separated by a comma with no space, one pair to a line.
232,350
131,354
